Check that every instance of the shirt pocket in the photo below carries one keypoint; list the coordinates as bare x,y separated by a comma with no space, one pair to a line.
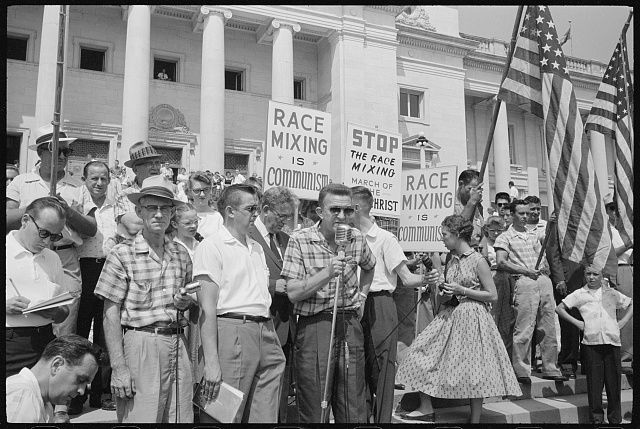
140,295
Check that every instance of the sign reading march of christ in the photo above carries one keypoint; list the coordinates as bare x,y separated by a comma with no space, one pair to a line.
297,149
428,196
374,160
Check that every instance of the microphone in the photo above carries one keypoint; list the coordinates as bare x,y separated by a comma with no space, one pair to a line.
343,237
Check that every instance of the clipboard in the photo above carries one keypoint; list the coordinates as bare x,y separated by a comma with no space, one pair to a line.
56,301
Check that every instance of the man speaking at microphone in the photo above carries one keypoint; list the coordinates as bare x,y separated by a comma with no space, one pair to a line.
313,264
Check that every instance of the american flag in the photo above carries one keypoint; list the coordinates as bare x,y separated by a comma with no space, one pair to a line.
610,115
538,81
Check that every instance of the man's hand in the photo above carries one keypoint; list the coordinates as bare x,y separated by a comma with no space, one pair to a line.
533,274
121,383
431,277
281,286
475,194
211,381
561,287
17,304
337,265
63,203
181,301
57,314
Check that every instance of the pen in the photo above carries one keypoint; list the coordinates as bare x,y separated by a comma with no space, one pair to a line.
14,286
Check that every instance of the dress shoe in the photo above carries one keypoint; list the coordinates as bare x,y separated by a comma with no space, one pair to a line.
399,386
556,377
428,418
75,408
524,380
570,374
108,405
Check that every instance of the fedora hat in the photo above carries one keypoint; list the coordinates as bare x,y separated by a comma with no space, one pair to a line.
157,186
141,150
44,135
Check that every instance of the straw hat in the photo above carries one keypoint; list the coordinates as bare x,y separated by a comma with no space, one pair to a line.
157,186
44,135
141,150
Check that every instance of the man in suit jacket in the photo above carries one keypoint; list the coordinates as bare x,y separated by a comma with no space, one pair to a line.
278,206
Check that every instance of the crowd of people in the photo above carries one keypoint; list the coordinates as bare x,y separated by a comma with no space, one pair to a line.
209,279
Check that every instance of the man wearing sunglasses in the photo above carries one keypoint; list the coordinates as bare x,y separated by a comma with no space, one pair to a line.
278,207
34,273
313,265
503,205
239,341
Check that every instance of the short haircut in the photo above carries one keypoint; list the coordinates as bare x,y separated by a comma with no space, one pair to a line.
73,348
459,226
337,189
231,196
181,210
502,196
278,195
362,193
85,170
532,199
518,203
468,175
495,221
38,205
200,177
511,183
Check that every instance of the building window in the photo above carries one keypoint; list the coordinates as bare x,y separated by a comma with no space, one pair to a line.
17,48
92,59
233,161
410,102
164,69
12,154
512,144
298,89
233,80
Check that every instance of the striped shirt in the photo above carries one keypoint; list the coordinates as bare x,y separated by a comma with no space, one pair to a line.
523,247
309,253
123,204
144,285
24,400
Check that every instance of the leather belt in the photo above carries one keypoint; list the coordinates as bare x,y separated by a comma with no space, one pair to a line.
340,310
31,330
380,293
66,246
244,317
96,260
158,330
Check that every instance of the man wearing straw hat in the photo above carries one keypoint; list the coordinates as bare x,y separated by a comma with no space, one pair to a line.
144,160
140,285
27,187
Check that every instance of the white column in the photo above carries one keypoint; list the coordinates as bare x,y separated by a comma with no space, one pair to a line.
282,63
501,162
599,154
47,64
210,149
532,182
135,100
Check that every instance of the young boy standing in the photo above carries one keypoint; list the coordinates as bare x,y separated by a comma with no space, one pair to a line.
597,303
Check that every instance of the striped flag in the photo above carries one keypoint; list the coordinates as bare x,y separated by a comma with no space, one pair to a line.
610,115
538,81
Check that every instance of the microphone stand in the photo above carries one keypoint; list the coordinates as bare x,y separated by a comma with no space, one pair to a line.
324,404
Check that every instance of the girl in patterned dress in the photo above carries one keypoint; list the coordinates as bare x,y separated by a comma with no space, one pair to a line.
460,354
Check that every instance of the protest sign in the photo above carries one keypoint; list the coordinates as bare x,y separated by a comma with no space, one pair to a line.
428,196
374,159
297,149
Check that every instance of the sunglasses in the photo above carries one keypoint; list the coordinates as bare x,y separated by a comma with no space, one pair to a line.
281,217
43,233
66,151
503,204
348,211
254,209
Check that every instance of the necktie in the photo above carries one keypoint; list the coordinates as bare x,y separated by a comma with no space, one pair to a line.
274,247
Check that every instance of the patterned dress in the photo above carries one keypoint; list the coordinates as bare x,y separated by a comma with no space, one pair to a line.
460,353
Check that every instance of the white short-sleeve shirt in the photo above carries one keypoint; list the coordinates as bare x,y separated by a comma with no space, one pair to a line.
389,256
24,400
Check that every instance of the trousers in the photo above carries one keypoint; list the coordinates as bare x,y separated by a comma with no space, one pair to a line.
603,369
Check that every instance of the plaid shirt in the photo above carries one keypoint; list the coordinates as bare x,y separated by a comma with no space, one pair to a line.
523,247
309,253
144,285
24,400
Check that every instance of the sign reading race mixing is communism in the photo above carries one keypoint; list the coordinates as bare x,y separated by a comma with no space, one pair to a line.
374,159
297,149
428,196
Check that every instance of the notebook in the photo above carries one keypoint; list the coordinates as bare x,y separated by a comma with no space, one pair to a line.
225,407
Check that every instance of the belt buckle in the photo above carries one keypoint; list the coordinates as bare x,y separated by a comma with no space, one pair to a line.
98,260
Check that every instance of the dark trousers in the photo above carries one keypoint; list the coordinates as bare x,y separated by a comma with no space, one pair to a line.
380,350
24,346
90,311
346,378
569,341
603,369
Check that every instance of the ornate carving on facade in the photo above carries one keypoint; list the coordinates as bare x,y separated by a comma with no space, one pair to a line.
165,117
417,18
206,10
277,23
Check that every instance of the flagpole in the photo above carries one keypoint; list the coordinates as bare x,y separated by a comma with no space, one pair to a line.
623,46
496,107
571,38
58,104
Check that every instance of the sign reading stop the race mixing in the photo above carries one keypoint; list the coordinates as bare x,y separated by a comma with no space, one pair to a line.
374,160
297,149
428,196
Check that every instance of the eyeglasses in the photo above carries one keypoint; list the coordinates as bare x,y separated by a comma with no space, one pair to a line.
150,164
154,209
282,217
43,233
496,231
201,191
189,224
348,211
254,209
